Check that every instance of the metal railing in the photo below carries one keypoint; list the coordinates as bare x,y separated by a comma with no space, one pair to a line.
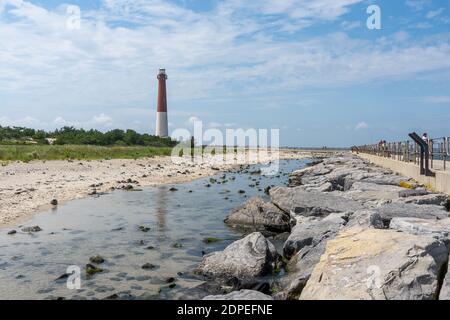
409,151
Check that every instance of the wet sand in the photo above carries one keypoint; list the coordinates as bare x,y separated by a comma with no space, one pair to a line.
27,188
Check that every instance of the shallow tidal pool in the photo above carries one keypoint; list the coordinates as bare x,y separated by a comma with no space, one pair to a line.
167,230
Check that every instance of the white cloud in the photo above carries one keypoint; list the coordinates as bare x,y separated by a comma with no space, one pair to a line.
20,122
61,122
418,5
102,120
113,58
361,125
435,13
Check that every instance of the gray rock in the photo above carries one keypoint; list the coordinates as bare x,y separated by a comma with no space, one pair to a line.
367,186
241,295
310,203
437,228
412,193
365,219
249,257
310,234
32,229
376,264
259,216
393,210
300,268
444,294
432,198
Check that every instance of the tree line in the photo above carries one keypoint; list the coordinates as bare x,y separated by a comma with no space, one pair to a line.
74,136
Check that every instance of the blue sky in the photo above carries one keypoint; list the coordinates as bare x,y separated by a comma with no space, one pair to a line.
310,68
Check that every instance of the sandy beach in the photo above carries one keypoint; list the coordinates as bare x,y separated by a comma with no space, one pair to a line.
27,188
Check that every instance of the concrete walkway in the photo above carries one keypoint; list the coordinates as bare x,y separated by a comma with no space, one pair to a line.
440,182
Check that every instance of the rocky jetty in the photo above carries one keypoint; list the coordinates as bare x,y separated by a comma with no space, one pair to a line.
356,231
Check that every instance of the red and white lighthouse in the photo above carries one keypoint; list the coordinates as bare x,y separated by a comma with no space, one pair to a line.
162,126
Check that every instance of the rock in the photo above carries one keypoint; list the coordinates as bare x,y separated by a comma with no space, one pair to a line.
412,193
173,189
54,202
241,191
300,268
393,210
249,257
96,259
378,264
32,229
259,216
91,269
211,240
367,186
12,232
366,219
445,289
311,233
432,198
241,295
437,228
311,203
149,266
364,192
144,228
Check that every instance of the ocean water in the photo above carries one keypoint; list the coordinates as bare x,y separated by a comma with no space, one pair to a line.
109,225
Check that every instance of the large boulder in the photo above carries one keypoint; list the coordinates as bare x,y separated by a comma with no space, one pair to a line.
365,191
241,295
258,215
444,294
365,219
378,264
304,247
250,257
300,268
311,233
311,203
398,210
430,198
437,228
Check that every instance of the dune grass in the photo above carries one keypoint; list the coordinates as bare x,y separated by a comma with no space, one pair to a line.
28,153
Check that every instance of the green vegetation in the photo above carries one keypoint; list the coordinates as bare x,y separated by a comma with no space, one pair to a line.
77,152
211,240
73,136
24,144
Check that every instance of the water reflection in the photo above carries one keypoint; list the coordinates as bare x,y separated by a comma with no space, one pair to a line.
161,207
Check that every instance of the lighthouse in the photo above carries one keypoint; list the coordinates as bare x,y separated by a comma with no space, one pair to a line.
162,127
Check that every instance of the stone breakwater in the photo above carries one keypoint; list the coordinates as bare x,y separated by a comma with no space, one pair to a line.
352,231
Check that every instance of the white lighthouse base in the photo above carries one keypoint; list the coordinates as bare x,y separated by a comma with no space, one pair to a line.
162,127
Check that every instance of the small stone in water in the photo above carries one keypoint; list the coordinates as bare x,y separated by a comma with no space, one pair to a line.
170,280
97,259
211,240
32,229
12,232
177,245
144,229
54,202
91,269
149,266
